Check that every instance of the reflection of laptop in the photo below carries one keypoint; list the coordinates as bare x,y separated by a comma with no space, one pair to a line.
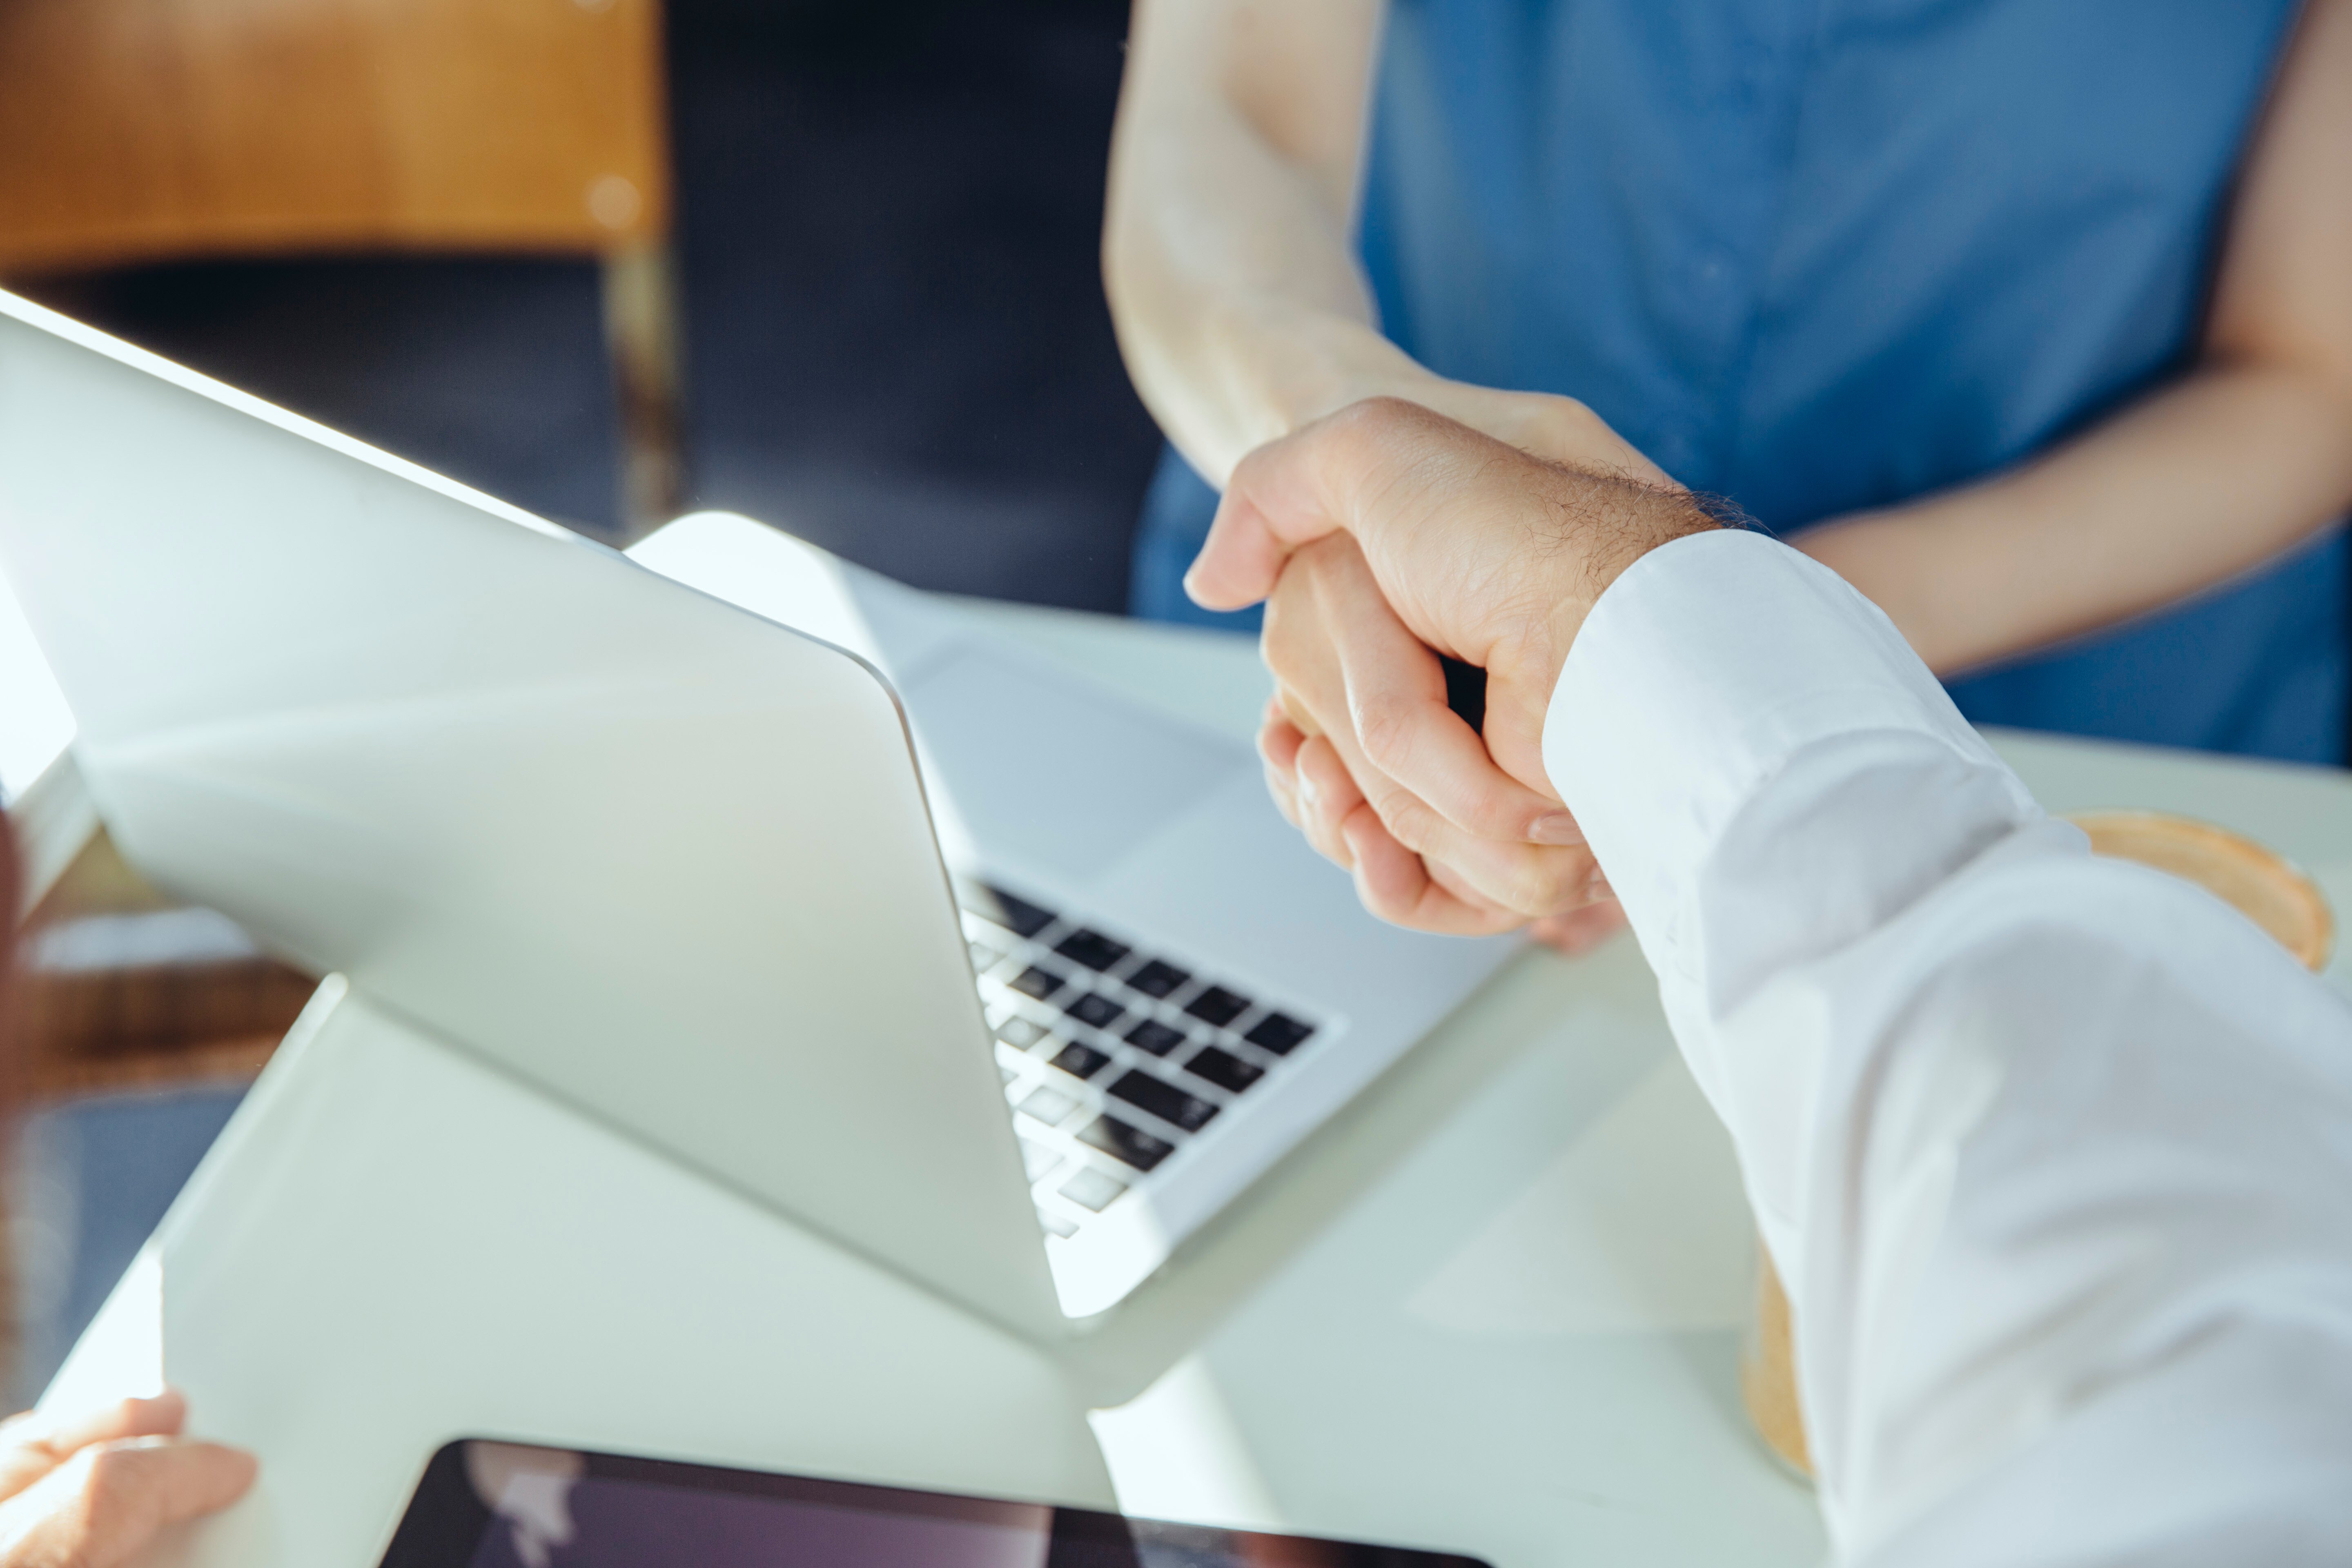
672,863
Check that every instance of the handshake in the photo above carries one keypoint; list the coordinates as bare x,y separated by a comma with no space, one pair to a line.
1380,539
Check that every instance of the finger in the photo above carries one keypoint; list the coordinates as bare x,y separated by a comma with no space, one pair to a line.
34,1444
1296,711
1459,883
159,1416
104,1506
1454,882
1533,880
1326,595
1404,727
1396,885
1244,550
1342,472
1327,794
1295,490
1528,879
1285,802
1278,740
1580,931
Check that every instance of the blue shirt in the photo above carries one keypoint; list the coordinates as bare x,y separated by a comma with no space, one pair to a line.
1820,255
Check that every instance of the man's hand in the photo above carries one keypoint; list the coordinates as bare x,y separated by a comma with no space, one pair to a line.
1554,428
1468,547
92,1490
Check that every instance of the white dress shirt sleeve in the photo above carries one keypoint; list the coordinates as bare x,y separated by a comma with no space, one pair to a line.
2054,1153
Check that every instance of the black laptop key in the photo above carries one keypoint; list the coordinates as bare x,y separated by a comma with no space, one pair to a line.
1158,979
1036,982
995,904
1155,1036
1217,1006
1081,1061
1125,1143
1096,1009
1280,1033
1092,948
1165,1101
1225,1069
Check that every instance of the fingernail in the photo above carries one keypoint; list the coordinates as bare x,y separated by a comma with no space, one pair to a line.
1557,828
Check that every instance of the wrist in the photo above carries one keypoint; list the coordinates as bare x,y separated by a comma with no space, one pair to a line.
1331,362
1612,524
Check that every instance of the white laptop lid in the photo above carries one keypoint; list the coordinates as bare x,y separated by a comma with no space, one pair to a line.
654,853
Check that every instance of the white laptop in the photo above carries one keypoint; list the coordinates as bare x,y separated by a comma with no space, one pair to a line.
672,860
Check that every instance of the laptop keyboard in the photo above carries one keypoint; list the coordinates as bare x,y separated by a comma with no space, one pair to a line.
1113,1059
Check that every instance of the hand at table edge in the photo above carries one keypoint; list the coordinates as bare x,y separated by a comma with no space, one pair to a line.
93,1488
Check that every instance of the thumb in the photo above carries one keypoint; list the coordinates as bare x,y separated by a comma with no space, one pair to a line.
1270,509
1292,491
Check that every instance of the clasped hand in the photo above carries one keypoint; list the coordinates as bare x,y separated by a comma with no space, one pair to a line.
1381,537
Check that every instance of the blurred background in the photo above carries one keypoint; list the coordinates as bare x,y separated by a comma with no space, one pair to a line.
827,263
882,228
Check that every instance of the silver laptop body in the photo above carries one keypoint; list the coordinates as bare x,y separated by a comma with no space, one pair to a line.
1181,990
674,862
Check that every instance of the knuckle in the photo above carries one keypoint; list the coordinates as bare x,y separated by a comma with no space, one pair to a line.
1408,821
1573,414
1487,813
1278,744
110,1475
117,1501
1386,899
1369,418
1384,731
1273,638
1547,882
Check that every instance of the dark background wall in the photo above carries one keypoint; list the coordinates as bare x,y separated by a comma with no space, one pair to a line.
897,340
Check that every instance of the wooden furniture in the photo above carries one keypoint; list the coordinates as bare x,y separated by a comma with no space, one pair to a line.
137,131
119,988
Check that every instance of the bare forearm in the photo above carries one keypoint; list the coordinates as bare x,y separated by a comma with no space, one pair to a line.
2205,479
1226,251
2213,475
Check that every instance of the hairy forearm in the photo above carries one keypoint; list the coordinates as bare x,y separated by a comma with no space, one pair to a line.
1226,251
2201,482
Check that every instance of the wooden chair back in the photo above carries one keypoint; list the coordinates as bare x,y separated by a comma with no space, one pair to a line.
139,130
142,129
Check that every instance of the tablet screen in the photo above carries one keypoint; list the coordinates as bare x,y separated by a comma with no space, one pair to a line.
502,1505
